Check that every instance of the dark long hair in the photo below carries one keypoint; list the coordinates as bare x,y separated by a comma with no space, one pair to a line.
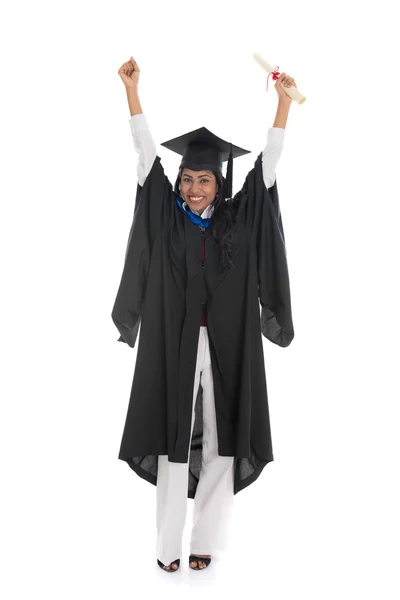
223,219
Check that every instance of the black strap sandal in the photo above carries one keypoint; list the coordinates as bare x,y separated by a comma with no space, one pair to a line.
177,561
193,557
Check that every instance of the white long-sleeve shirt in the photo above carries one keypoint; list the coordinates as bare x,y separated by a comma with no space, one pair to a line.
146,148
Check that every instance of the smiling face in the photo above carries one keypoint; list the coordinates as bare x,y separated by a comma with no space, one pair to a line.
198,188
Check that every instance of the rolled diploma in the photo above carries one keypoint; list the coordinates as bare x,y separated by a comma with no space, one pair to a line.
293,92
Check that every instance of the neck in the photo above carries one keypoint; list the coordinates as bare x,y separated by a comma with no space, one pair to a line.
201,210
198,212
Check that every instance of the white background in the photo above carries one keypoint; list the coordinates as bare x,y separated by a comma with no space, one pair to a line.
322,520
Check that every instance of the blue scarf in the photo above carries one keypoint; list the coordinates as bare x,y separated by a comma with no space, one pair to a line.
196,219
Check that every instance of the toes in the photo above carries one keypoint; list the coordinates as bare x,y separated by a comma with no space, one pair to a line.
198,563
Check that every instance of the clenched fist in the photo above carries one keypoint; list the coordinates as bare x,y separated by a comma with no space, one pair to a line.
130,73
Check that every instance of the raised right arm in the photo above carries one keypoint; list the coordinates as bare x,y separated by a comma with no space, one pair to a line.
142,138
144,145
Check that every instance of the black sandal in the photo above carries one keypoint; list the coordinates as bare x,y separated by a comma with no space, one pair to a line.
193,557
177,561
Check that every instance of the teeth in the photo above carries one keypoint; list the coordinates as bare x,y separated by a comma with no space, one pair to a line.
196,198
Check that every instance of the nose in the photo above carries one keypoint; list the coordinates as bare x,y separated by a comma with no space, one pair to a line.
195,190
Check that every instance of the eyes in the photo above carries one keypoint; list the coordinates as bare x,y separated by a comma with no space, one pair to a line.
187,180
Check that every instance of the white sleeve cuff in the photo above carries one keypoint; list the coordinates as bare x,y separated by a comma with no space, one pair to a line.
275,136
138,123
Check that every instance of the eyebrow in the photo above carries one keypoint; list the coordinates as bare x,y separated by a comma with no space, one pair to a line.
198,176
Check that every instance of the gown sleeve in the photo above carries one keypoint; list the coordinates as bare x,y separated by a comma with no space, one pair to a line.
257,208
152,207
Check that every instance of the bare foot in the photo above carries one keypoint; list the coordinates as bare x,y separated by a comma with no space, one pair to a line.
172,566
201,563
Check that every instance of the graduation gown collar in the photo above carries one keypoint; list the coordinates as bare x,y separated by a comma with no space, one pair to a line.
196,219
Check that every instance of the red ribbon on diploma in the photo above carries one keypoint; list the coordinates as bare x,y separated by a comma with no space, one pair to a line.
275,75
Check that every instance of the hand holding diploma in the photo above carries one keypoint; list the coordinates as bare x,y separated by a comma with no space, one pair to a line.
285,85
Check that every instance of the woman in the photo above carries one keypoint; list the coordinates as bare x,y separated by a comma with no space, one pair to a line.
197,265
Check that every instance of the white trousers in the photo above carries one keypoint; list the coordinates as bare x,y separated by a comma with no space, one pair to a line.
213,500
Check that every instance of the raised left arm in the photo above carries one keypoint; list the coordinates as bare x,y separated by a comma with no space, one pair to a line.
284,100
282,113
276,133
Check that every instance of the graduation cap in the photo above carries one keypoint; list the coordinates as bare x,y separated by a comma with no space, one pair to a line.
202,150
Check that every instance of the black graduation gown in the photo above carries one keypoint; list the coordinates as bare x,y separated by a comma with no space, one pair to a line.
163,287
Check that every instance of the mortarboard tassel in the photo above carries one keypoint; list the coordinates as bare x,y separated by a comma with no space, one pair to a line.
228,179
